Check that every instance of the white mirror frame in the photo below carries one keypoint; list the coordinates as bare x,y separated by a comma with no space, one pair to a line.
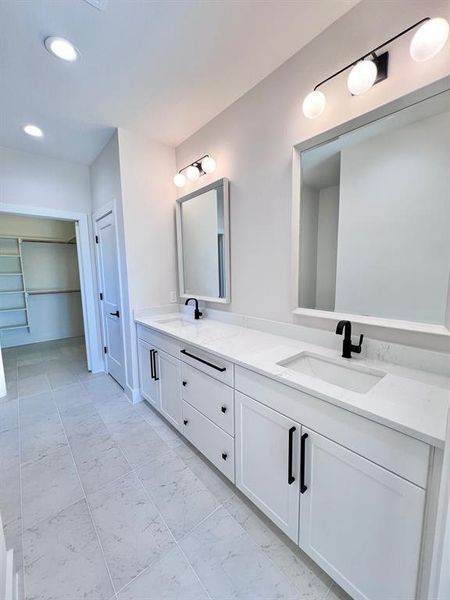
224,183
378,113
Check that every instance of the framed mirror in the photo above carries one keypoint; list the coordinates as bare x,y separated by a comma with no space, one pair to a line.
374,220
203,243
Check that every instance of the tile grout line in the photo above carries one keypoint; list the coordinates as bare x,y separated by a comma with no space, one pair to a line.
87,502
149,497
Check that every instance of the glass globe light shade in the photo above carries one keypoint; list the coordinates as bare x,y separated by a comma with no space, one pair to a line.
192,173
429,39
362,77
179,180
208,164
314,104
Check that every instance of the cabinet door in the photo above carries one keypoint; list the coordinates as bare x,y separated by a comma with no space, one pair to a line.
169,374
148,384
361,523
267,461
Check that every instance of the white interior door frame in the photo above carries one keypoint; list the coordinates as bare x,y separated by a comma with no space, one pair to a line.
110,207
86,268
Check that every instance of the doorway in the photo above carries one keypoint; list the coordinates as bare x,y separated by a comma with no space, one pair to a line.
80,247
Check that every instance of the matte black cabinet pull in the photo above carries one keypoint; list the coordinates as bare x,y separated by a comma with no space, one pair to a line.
205,362
152,369
224,455
185,383
291,478
155,352
303,487
185,421
223,409
115,314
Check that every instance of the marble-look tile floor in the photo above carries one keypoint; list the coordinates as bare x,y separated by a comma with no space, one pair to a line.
104,500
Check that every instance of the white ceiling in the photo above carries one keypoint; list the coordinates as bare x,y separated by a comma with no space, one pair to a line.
162,67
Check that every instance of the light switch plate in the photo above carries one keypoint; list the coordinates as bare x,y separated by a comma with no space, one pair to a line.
172,296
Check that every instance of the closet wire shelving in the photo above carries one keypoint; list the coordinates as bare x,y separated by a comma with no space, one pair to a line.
14,245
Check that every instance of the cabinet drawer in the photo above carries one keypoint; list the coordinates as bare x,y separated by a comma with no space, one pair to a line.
161,341
211,364
212,398
213,442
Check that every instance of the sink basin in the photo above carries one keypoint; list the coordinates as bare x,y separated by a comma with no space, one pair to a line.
348,376
175,322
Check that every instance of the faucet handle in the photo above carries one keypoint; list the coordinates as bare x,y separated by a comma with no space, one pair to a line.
357,348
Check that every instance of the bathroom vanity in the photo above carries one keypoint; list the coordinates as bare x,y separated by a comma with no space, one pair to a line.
343,455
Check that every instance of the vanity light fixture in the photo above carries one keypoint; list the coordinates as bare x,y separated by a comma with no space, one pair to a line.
201,166
61,48
372,68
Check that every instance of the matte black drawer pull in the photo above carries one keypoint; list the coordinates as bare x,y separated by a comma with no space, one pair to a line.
303,487
224,455
185,421
205,362
291,478
184,383
152,368
155,352
223,409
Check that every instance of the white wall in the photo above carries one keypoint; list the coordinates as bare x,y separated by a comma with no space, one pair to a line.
106,189
137,173
148,201
34,180
327,239
148,196
252,143
394,242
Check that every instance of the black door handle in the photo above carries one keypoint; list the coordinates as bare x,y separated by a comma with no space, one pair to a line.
155,352
115,314
303,487
291,478
152,370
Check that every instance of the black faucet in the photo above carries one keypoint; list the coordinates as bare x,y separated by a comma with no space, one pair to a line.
347,346
197,313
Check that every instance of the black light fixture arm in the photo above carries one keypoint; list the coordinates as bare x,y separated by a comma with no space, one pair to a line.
372,52
197,163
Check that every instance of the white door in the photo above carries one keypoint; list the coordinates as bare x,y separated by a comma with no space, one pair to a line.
267,461
361,523
147,373
168,371
111,309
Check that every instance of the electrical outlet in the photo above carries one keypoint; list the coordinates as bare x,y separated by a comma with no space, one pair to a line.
172,296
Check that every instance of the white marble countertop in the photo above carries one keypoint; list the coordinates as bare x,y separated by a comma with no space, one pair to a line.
408,400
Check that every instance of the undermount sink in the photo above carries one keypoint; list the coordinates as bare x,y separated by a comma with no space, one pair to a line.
175,322
348,376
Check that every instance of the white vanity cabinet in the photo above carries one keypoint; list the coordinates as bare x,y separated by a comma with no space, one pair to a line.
267,461
148,382
361,523
353,493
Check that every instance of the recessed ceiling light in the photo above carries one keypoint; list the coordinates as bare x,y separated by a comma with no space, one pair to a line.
33,130
61,48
